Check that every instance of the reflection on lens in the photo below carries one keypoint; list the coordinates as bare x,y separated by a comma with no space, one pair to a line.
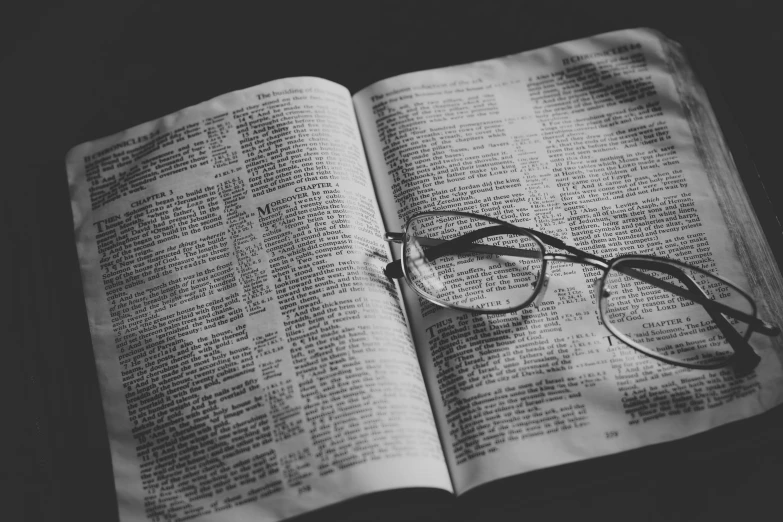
653,306
471,262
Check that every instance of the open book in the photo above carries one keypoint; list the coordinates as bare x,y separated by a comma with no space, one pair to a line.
255,361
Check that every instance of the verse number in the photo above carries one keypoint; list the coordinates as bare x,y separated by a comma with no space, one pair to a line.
304,489
611,434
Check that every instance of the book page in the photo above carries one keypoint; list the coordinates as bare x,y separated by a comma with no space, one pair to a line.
586,141
254,362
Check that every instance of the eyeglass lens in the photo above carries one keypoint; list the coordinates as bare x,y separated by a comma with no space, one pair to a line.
496,268
667,325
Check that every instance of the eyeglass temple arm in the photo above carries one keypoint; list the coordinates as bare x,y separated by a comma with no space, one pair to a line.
464,243
441,247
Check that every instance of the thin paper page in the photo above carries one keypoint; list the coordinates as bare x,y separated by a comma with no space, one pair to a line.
586,141
254,363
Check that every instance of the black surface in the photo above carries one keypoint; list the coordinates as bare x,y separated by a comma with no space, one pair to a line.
75,73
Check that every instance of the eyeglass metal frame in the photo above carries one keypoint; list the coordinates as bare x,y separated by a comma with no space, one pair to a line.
744,358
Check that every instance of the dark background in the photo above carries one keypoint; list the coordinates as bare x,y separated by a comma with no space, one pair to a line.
75,73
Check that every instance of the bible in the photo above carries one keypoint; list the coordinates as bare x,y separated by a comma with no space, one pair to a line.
255,360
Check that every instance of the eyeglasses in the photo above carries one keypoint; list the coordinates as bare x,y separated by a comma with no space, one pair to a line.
671,311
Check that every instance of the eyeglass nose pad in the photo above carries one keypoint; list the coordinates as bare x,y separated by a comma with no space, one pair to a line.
542,292
597,288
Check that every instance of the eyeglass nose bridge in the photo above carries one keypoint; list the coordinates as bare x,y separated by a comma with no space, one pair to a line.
541,293
597,288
